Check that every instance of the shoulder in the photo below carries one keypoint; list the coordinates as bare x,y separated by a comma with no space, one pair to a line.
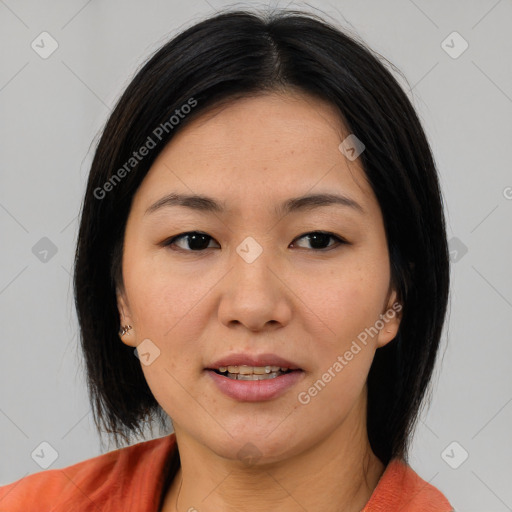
122,476
401,488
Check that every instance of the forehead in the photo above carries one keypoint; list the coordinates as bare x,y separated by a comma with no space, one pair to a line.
257,150
262,126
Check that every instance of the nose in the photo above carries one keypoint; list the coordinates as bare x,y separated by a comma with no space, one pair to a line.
254,294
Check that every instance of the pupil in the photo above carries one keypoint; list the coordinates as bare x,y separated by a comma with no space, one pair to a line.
319,240
197,237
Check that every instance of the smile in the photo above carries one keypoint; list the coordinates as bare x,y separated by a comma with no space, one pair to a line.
245,372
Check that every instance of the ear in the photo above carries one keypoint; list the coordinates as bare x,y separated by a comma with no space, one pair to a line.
390,318
125,318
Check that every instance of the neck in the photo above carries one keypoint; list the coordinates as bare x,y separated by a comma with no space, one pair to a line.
338,473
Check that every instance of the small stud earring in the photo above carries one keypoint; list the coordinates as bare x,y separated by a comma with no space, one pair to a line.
124,329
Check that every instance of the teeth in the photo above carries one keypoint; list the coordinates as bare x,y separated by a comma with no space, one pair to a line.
250,370
240,376
244,372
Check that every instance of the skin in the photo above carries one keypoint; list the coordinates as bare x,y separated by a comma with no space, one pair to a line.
307,305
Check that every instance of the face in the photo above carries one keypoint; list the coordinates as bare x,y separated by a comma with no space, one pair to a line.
310,285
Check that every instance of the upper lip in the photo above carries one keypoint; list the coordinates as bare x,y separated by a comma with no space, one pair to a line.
253,360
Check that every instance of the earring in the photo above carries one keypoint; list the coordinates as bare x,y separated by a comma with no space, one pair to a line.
124,329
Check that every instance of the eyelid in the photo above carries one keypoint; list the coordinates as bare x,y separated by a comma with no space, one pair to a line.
168,241
338,239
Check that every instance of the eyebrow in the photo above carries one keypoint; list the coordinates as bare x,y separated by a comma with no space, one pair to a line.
207,204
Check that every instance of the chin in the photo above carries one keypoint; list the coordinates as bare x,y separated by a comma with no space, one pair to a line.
255,447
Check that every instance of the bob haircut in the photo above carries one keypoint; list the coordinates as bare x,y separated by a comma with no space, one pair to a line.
234,55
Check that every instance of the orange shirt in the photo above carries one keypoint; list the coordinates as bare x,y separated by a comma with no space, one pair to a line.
133,479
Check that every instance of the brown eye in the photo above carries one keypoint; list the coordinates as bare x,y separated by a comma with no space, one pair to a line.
196,241
319,240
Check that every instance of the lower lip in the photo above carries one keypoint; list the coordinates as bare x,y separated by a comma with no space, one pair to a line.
256,390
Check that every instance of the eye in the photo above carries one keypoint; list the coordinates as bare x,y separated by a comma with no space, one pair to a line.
198,241
320,238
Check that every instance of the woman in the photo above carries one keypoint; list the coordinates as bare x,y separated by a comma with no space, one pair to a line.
293,370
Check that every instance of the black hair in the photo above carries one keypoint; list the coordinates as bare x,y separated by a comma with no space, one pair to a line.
233,55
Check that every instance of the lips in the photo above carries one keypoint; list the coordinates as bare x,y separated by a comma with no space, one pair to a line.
258,390
253,360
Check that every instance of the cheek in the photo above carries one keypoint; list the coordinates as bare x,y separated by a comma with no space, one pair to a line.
349,302
160,297
348,307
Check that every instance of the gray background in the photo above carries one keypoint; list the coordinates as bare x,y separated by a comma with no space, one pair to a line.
51,111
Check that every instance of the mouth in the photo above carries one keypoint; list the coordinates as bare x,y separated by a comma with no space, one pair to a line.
245,372
246,383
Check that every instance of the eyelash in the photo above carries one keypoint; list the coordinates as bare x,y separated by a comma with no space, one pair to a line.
170,242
